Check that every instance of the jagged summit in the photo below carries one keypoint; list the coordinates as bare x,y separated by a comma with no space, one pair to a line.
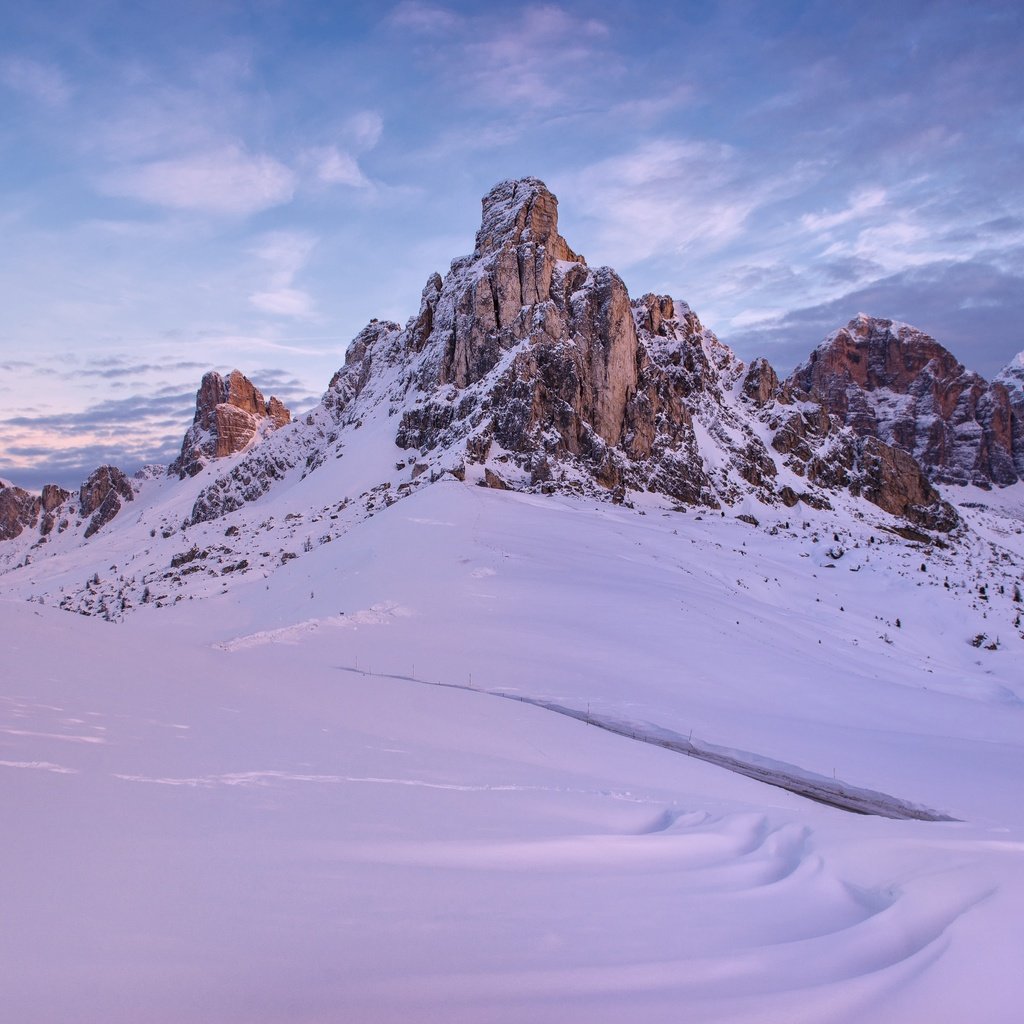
888,380
230,412
875,352
518,211
1012,375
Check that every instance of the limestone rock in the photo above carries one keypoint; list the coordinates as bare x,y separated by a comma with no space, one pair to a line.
102,497
51,499
53,496
19,510
888,380
1011,380
761,382
230,413
893,480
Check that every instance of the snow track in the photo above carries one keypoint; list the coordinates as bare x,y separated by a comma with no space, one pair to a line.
833,792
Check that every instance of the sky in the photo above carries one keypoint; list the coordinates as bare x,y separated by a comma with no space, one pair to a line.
245,184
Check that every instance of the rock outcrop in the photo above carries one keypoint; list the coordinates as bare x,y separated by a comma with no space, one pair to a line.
888,380
51,499
102,496
230,413
19,510
1011,379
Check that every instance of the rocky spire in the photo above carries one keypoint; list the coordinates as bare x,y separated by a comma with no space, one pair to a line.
229,414
518,212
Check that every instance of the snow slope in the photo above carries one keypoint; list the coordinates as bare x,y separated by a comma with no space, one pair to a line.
253,805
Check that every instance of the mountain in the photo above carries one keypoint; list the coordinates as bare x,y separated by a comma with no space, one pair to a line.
524,369
230,415
888,380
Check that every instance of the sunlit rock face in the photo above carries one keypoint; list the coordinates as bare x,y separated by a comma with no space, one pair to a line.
888,380
230,413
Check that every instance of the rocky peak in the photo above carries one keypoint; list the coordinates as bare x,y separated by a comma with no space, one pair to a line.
519,212
873,353
1011,376
888,380
19,510
1011,380
230,412
102,496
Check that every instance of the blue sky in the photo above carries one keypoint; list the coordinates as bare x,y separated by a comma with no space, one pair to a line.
217,184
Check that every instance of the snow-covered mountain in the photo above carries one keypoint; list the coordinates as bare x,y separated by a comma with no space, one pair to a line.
523,369
531,676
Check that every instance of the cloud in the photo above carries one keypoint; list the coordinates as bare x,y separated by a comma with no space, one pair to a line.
538,59
670,195
65,447
868,200
333,166
284,302
42,82
228,180
115,368
365,129
284,254
423,17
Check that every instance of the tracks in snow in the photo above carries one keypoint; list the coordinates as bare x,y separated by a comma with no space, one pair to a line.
820,788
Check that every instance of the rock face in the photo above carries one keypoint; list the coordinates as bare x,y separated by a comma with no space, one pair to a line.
51,498
19,510
102,496
1012,380
229,415
890,381
543,372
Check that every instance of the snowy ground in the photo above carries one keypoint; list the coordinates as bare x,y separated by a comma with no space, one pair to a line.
250,806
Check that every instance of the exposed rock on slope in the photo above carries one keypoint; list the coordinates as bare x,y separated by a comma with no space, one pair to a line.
18,510
1012,379
102,496
887,380
229,414
21,510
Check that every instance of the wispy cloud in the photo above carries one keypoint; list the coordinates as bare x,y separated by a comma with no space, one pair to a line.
333,166
423,17
670,194
535,60
44,83
364,129
284,253
864,201
229,181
